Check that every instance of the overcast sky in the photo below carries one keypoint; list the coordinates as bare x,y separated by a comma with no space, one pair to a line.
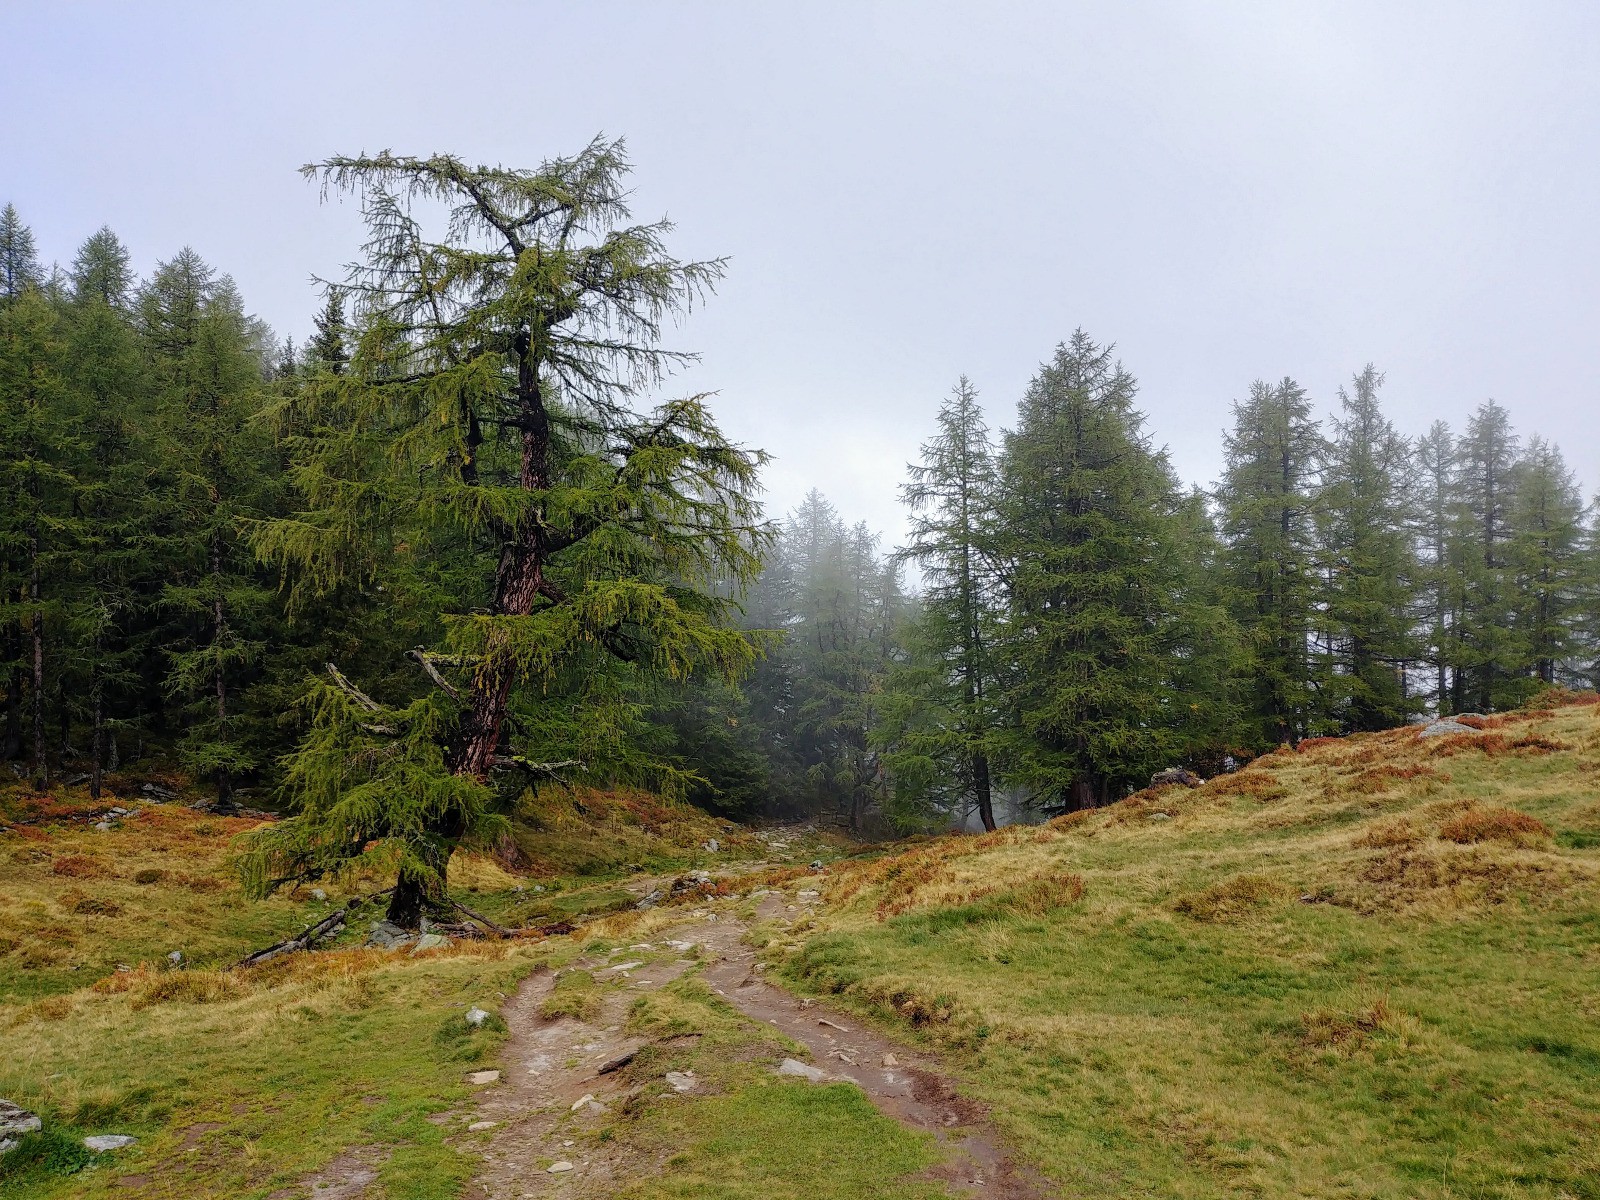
911,191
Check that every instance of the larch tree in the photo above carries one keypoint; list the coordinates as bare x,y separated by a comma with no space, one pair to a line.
940,719
492,405
1490,651
1546,558
1086,538
1266,501
1434,461
1369,568
19,260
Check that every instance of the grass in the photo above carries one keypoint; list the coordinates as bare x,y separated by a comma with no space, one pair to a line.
745,1133
1370,968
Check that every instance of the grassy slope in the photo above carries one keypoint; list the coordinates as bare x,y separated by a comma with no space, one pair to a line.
1293,986
237,1084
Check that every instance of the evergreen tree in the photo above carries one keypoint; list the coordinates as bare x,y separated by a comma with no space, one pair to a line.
1545,555
1087,536
1439,573
19,261
939,710
330,348
1490,651
489,406
36,448
111,406
1364,523
1266,504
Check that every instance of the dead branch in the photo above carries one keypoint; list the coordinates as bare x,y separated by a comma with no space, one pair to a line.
425,661
361,699
498,930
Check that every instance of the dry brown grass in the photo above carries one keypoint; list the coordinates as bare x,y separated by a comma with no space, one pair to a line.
1232,899
1495,825
1387,834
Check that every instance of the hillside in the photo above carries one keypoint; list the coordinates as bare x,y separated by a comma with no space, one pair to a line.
1366,968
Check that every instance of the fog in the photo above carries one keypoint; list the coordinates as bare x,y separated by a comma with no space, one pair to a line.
909,192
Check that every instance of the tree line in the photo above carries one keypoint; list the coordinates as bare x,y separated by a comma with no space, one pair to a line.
445,552
1084,620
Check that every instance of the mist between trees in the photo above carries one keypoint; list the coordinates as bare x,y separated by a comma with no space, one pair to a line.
452,548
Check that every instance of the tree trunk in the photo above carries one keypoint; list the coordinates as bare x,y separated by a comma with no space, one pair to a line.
219,631
97,738
980,782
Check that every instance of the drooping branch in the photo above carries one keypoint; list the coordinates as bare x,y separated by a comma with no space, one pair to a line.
425,661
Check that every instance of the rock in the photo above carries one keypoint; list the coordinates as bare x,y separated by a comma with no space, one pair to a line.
793,1066
682,1081
386,935
1175,775
617,1063
480,1126
651,900
816,864
430,941
1160,816
176,958
810,895
482,1077
890,1060
713,845
1445,728
156,790
557,1168
103,826
586,1098
14,1122
101,1142
318,895
476,1016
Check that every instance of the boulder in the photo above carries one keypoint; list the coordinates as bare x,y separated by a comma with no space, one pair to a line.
386,935
482,1077
713,845
1175,775
476,1016
430,941
14,1122
682,1081
793,1066
1446,727
557,1168
101,1142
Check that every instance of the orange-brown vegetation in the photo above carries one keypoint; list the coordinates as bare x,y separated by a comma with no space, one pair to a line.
1495,825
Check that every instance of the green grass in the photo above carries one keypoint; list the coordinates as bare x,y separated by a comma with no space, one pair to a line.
745,1133
1192,1028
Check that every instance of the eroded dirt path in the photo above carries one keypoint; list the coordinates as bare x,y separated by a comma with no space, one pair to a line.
550,1068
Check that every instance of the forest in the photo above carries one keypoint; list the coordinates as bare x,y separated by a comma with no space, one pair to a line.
452,545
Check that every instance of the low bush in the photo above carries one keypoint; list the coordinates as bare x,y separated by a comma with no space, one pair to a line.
1495,825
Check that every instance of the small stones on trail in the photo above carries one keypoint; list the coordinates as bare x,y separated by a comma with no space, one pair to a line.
101,1142
793,1066
651,900
627,966
480,1126
586,1098
682,1081
890,1060
476,1016
810,895
557,1168
482,1077
831,1024
14,1122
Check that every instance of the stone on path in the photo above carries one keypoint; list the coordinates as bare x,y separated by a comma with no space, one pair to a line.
563,1165
793,1066
682,1081
481,1077
480,1126
101,1142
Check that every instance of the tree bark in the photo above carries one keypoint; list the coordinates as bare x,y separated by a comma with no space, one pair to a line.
981,785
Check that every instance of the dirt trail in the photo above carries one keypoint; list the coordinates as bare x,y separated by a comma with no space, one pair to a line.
550,1066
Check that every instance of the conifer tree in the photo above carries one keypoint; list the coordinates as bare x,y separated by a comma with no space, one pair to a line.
1086,535
1490,651
1545,556
1364,523
1439,574
35,489
489,408
101,270
940,722
1266,499
19,261
330,347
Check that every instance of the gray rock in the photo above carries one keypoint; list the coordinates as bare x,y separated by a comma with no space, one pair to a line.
1160,816
1446,727
713,845
1175,775
101,1142
176,958
793,1066
14,1122
651,900
483,1077
557,1168
318,894
682,1081
386,935
480,1126
476,1016
430,941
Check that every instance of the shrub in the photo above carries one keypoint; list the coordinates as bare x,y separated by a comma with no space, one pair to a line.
1231,899
79,866
47,1152
149,875
75,900
1494,825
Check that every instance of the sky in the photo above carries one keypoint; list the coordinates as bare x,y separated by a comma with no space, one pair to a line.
909,192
